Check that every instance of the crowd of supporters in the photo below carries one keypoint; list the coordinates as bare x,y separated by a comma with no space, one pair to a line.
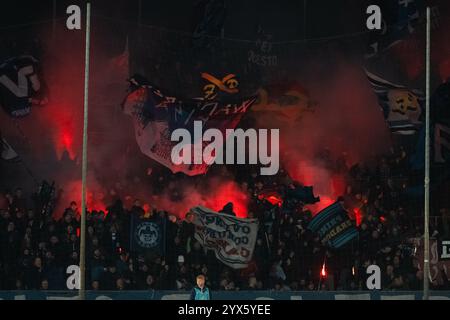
36,248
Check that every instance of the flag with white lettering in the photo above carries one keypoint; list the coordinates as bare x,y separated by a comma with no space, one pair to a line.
232,239
147,235
20,86
156,115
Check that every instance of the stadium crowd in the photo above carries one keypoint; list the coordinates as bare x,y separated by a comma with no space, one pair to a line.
35,249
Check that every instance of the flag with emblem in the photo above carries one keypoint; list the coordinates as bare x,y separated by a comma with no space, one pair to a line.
402,107
333,226
147,235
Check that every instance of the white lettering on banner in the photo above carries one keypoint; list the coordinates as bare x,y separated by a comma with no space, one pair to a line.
232,239
20,89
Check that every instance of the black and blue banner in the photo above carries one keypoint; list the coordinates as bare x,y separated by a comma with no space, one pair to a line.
333,226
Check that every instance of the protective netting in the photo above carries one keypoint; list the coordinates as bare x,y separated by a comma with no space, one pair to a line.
336,135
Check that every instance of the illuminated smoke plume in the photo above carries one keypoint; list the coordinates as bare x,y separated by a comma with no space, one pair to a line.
347,123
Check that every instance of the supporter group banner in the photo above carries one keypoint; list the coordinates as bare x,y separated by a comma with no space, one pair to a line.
232,239
156,115
333,226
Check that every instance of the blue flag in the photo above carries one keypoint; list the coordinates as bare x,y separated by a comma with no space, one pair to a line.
333,226
147,235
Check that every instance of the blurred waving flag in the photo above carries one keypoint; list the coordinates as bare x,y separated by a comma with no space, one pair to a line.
6,151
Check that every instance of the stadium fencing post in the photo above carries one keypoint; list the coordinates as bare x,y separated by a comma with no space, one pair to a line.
82,292
426,235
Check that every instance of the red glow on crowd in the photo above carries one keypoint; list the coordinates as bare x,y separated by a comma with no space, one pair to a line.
95,198
229,192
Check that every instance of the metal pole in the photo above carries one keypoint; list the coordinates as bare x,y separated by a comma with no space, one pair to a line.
304,19
139,12
54,20
426,255
82,292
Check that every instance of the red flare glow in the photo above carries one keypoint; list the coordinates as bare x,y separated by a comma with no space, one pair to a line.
323,272
358,216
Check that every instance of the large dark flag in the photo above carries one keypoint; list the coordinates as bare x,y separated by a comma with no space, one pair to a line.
156,114
402,107
333,226
147,235
20,86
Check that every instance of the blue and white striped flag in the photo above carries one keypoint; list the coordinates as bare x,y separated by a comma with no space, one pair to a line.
333,226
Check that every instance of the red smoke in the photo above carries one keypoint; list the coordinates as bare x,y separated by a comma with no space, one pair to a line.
214,194
95,197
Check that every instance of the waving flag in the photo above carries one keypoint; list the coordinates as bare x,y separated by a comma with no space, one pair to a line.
156,115
402,107
232,239
333,226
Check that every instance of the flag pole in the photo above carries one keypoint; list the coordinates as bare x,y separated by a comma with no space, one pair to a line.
82,292
426,256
